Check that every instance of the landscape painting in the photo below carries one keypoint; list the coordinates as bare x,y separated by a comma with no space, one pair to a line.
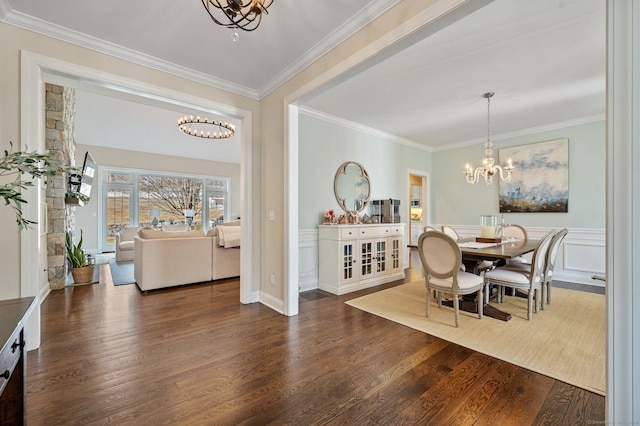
540,181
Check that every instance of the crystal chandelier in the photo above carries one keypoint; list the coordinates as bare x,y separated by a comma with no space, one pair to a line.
191,125
237,14
488,168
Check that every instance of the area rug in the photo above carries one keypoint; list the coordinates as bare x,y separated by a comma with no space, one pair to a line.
566,341
121,272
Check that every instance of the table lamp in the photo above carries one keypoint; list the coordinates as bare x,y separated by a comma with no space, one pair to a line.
154,213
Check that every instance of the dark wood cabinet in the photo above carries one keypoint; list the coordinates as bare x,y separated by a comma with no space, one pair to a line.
12,360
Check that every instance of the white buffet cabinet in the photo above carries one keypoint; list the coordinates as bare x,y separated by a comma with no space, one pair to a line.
353,257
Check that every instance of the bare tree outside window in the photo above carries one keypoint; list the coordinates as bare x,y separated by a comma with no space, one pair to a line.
172,195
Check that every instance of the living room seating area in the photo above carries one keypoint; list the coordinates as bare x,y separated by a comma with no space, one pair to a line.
166,259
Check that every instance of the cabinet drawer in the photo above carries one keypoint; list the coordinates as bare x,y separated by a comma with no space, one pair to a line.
10,356
376,231
349,233
396,230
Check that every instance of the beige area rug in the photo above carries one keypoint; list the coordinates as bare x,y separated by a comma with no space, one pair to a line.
566,341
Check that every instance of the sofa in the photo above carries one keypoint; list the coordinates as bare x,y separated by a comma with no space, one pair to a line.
165,259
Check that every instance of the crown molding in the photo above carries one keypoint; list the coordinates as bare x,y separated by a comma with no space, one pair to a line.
392,138
524,132
373,10
48,29
361,128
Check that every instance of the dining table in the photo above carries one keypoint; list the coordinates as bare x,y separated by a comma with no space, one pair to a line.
474,253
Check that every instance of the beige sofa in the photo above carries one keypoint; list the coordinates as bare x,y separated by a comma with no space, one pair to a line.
166,259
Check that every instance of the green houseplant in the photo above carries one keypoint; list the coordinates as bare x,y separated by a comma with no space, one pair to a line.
20,163
81,268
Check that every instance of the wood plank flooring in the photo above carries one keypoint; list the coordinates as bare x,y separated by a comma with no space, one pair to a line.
194,355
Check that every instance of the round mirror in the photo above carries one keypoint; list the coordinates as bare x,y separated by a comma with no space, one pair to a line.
352,187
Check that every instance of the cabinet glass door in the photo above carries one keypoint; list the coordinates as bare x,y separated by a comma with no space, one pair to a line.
348,262
396,254
381,256
366,258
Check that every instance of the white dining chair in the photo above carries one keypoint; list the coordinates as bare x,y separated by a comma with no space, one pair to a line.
529,280
550,263
514,231
441,258
519,233
450,232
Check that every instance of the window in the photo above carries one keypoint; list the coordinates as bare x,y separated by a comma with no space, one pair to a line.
178,199
138,198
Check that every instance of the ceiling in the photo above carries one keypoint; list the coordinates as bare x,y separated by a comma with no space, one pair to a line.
544,59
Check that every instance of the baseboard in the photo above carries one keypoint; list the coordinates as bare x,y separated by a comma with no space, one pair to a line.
273,303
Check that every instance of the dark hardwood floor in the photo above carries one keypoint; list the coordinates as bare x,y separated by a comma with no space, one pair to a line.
194,355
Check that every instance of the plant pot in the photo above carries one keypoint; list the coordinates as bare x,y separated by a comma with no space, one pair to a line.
82,275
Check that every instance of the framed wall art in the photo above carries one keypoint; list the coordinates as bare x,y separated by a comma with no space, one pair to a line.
540,181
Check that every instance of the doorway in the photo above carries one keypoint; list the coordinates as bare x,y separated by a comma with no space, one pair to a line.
418,206
38,69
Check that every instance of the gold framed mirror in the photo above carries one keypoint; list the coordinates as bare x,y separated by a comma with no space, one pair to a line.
352,187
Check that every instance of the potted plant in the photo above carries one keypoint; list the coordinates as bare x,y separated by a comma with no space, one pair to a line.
81,268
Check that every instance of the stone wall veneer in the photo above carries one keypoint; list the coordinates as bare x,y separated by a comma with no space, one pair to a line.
60,143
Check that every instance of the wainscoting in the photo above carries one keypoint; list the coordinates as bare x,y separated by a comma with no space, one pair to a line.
308,259
581,255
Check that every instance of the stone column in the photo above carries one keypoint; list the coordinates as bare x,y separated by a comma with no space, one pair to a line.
60,142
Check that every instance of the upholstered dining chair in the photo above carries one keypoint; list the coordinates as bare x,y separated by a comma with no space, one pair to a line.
429,228
518,232
550,263
529,280
485,264
441,258
514,231
450,232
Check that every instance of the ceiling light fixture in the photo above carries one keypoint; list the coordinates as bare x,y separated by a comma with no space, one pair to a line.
237,14
488,168
186,125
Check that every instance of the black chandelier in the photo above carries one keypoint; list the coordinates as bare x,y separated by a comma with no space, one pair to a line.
243,14
188,124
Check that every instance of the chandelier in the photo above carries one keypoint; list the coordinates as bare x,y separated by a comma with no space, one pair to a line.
488,168
243,14
193,126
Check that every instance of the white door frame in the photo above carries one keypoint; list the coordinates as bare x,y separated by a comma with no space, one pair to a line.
34,68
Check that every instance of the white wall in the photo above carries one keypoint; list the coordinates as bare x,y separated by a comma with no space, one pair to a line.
324,146
583,253
456,202
140,124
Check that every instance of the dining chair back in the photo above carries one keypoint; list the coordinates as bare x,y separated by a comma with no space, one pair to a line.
429,228
550,263
514,231
441,258
518,232
450,232
529,280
